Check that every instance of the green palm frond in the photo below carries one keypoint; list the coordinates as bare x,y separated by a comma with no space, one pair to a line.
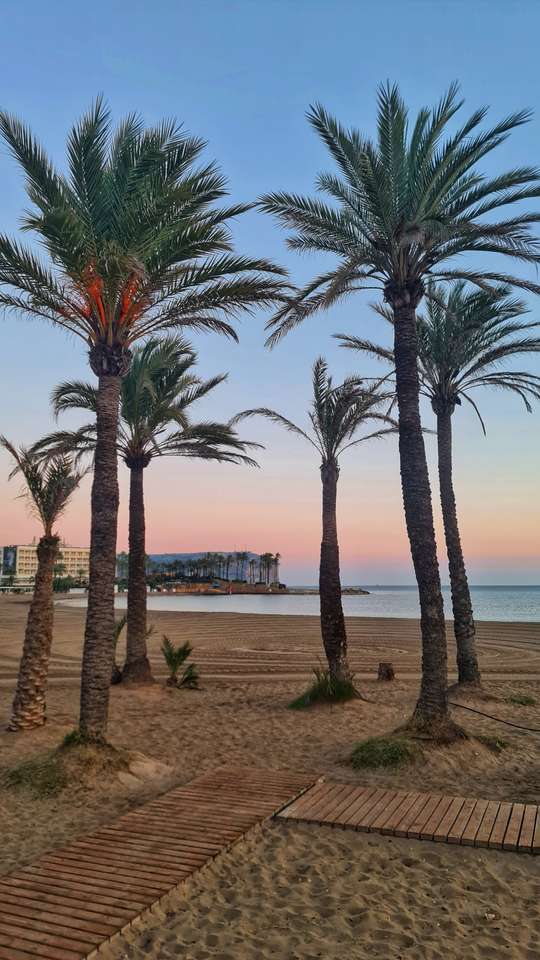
74,395
175,656
404,206
157,395
337,413
465,338
136,234
48,483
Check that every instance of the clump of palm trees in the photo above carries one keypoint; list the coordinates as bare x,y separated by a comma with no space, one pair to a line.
239,566
156,397
464,337
137,245
404,210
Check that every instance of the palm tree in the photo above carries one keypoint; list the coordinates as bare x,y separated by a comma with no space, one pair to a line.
463,338
337,415
48,488
403,208
136,245
155,401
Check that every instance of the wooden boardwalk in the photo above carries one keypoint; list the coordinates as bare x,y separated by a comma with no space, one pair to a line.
420,816
70,901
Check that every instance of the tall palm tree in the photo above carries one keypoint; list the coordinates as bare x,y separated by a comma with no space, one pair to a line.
463,338
403,208
48,487
156,398
136,244
337,415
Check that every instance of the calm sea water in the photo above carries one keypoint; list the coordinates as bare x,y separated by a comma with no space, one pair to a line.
490,603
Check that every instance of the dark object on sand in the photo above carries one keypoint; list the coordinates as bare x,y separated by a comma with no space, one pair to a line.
386,671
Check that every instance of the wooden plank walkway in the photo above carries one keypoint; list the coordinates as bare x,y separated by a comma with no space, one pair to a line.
65,905
420,816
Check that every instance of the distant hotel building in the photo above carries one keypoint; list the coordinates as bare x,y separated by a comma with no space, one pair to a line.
20,561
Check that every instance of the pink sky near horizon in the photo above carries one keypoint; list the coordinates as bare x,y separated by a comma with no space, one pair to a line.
197,507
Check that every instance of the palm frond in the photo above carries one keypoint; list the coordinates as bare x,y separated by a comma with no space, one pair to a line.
48,484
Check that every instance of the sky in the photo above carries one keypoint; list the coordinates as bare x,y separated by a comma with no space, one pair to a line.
242,75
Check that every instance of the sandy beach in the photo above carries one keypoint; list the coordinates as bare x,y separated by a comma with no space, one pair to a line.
251,667
313,893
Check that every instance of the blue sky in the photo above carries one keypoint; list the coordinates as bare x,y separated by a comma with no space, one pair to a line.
242,74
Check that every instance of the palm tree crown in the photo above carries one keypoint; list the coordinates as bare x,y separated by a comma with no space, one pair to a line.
48,484
463,338
134,238
406,204
336,414
156,395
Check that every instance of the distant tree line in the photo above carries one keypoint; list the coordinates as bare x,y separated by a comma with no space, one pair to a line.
239,566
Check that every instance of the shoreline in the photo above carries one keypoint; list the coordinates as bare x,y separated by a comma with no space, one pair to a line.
232,605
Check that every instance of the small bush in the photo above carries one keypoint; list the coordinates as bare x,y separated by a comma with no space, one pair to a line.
43,776
174,658
496,744
324,689
189,678
383,752
521,700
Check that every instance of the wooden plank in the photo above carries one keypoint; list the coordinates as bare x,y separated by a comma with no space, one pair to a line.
526,836
351,803
344,804
390,824
488,820
9,953
314,800
513,830
48,933
375,810
48,951
68,870
460,824
535,848
415,815
357,811
441,833
386,811
293,810
499,827
328,801
122,866
168,850
469,834
35,910
139,863
87,895
430,825
149,855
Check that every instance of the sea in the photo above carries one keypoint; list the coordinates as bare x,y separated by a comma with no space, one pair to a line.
510,603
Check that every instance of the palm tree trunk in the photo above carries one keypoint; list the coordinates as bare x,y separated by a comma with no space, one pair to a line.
137,666
98,651
29,707
464,629
431,711
333,631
